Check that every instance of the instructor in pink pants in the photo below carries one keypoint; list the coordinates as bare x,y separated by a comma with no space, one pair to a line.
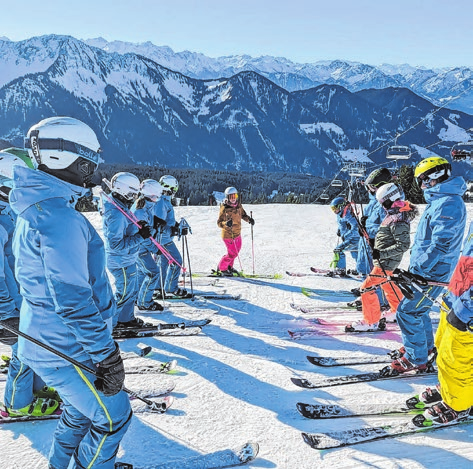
229,220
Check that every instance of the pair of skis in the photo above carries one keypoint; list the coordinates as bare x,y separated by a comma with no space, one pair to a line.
175,329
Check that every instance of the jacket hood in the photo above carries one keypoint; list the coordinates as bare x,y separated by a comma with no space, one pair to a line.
33,186
452,186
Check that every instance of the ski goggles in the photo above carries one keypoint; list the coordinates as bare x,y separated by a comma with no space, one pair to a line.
336,208
232,197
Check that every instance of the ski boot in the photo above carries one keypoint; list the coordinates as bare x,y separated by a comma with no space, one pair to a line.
6,363
133,324
154,306
441,414
48,392
123,465
389,316
180,293
355,304
363,326
429,396
40,407
403,365
234,271
356,292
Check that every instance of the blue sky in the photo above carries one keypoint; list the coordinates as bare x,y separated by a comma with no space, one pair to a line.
435,33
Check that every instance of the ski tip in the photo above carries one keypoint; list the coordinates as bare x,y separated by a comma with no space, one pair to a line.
313,360
248,452
299,382
310,439
300,406
145,351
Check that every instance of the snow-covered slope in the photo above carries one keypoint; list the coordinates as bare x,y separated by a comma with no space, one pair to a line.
233,381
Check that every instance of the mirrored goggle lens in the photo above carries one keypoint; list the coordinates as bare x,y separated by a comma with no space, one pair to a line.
334,208
233,197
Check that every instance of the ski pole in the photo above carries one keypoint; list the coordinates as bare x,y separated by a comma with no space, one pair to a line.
151,404
189,263
135,222
252,244
235,246
183,263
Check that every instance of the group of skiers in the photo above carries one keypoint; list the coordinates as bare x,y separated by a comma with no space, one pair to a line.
53,270
383,238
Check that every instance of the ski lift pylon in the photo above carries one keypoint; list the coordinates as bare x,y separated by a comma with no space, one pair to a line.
398,152
462,150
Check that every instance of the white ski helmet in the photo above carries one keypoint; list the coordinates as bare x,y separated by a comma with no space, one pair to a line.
7,161
56,143
169,184
125,184
231,196
388,194
151,189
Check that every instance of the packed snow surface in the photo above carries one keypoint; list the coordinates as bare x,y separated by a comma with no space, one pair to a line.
233,380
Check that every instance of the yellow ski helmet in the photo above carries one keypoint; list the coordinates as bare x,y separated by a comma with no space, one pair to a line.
434,167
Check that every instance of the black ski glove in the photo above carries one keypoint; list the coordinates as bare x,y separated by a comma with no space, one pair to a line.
158,222
371,242
184,231
7,337
339,233
376,254
175,230
363,220
251,221
145,230
110,374
229,223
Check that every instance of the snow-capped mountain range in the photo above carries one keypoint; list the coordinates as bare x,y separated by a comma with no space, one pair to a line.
437,85
146,112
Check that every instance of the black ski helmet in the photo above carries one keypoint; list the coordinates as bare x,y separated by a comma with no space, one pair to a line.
377,178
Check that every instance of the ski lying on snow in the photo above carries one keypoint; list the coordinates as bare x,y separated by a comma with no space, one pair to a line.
164,327
164,367
360,378
342,438
214,273
197,296
339,309
133,334
328,411
332,330
348,361
217,460
314,293
5,418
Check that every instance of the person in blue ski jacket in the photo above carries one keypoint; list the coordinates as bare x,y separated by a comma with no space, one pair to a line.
434,255
373,215
25,393
166,222
122,244
148,271
68,302
348,231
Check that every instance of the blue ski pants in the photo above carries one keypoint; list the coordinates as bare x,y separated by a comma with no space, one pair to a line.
415,324
21,383
126,291
91,425
148,278
170,272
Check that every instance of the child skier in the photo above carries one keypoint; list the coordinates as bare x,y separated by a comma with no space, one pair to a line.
68,302
229,220
148,271
122,243
391,242
166,225
348,231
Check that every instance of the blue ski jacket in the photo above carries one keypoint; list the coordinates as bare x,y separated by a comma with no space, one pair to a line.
375,213
348,227
122,241
146,214
439,235
60,265
165,211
